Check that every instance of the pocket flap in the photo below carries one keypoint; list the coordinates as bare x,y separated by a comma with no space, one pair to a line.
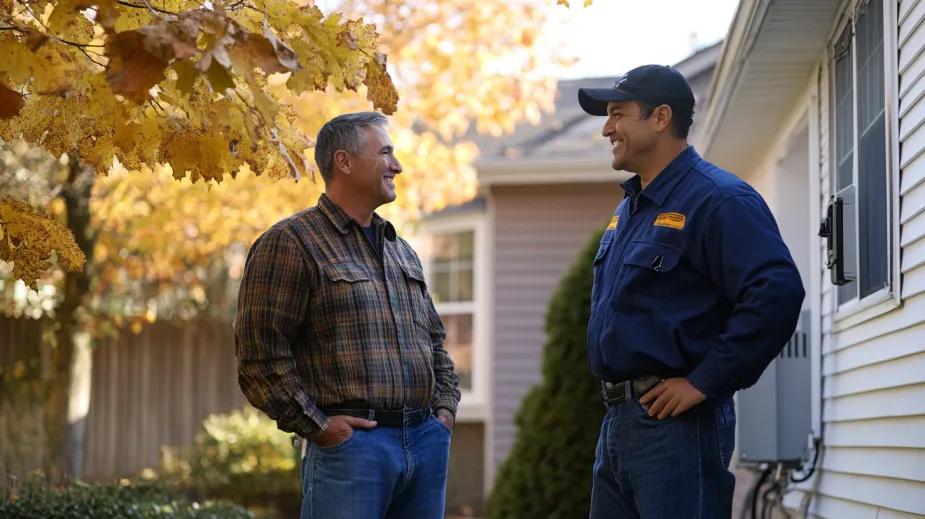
602,249
654,256
413,271
349,272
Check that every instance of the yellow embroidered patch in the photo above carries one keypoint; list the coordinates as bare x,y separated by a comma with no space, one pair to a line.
672,220
613,223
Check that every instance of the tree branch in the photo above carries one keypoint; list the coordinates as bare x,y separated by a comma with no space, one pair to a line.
146,5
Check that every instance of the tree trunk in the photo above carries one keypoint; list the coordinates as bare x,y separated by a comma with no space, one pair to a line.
64,432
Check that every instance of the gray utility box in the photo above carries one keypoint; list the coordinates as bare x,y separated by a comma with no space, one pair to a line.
775,415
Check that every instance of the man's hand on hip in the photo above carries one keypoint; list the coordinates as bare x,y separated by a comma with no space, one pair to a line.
341,429
445,416
671,397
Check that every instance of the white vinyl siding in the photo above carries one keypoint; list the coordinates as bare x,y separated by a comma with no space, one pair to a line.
873,463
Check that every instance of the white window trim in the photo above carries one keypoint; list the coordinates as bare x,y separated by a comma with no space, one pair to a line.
856,311
474,404
817,271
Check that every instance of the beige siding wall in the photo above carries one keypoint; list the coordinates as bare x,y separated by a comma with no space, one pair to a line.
873,464
538,232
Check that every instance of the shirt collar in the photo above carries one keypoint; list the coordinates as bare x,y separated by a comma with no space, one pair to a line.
661,186
342,220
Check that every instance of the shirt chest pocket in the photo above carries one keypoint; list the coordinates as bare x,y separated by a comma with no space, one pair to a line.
657,257
415,289
599,268
349,292
649,269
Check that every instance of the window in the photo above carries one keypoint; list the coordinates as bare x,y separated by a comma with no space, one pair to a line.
860,166
452,278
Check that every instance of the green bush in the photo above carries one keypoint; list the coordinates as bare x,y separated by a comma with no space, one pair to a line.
240,456
548,472
79,500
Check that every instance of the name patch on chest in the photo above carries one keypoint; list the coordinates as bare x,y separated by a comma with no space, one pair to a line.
613,223
671,220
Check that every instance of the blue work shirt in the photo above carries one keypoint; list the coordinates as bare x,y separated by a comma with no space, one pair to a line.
692,279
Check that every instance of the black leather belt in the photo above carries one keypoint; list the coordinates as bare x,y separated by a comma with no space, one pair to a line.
628,390
386,417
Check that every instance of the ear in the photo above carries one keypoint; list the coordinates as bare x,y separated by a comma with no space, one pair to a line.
342,161
662,118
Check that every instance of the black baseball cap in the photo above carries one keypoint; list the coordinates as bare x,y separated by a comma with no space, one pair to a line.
653,84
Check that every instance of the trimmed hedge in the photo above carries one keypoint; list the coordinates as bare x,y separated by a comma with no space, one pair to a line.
548,472
80,500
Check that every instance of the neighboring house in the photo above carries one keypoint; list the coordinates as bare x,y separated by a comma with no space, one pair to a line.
823,97
493,263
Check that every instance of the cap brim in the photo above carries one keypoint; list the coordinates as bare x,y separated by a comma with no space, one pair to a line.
594,100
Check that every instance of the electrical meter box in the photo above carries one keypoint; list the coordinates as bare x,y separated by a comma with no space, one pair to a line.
775,415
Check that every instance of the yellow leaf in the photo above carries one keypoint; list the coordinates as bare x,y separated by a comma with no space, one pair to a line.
53,70
29,239
17,60
219,77
66,21
266,106
310,75
186,75
380,89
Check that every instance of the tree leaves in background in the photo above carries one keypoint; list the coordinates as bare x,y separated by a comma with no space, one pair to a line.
175,83
29,237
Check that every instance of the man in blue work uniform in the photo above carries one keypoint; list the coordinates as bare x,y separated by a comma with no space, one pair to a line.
694,294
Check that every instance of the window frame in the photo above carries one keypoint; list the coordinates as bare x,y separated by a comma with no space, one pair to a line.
859,309
474,405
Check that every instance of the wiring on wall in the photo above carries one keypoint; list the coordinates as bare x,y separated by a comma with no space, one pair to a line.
775,482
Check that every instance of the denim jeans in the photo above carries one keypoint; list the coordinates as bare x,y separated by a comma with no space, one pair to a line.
664,469
384,473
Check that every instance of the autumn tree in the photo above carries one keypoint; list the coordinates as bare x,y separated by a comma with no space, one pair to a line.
171,90
174,83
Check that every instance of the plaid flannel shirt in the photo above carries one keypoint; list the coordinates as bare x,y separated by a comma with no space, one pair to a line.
324,320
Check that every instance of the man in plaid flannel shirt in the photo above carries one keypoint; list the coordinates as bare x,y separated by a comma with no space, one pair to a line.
337,339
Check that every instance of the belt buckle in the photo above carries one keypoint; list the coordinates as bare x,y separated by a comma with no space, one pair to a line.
609,392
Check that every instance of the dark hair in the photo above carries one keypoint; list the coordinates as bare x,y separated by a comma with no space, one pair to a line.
680,126
344,132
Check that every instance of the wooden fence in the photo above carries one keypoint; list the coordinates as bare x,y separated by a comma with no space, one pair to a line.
22,436
148,390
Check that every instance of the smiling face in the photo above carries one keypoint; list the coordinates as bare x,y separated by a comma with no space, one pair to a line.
372,172
632,135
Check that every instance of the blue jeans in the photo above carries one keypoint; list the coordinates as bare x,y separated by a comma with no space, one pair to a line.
664,469
384,473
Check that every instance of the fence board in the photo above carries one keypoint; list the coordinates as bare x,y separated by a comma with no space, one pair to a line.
148,390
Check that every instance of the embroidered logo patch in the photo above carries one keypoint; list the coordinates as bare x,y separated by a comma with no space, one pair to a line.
672,220
613,223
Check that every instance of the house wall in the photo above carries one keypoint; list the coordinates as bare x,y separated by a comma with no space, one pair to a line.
873,365
538,231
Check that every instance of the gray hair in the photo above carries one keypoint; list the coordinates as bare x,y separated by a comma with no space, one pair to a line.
344,132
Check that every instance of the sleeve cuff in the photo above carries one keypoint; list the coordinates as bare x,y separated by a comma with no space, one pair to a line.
306,427
444,403
701,379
